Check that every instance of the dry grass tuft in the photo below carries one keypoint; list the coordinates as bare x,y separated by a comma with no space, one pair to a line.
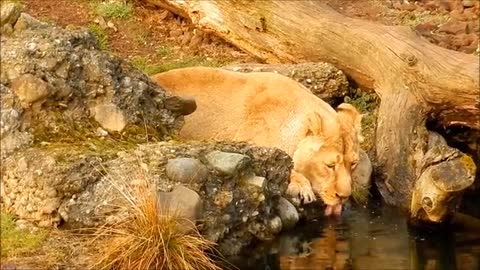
151,238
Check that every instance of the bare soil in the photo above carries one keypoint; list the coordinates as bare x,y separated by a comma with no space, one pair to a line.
452,24
151,35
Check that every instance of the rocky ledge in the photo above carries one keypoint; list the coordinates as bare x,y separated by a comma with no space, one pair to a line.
233,190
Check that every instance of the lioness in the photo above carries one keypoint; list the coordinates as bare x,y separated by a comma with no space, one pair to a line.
270,110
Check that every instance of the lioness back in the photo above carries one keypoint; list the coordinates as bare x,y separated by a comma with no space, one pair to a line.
261,107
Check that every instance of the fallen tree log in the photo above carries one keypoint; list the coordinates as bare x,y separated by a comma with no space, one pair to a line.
416,81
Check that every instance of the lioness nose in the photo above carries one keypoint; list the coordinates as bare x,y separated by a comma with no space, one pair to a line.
342,198
344,191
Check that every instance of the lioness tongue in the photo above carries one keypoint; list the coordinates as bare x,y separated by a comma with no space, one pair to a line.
328,210
333,209
338,210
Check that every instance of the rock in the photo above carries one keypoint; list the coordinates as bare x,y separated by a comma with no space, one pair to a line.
227,163
14,141
458,15
101,22
112,26
100,132
425,27
430,5
9,14
287,213
164,15
26,21
50,205
7,29
186,38
452,27
181,105
65,72
257,181
468,3
183,201
275,224
176,33
322,79
473,26
186,170
361,178
22,224
30,89
471,14
223,199
407,7
110,117
196,40
464,40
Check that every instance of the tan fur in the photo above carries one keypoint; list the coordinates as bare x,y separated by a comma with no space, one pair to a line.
351,123
269,110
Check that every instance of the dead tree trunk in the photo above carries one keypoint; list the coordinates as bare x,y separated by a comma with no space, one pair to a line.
415,80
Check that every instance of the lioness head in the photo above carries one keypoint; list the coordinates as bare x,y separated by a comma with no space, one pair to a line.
320,158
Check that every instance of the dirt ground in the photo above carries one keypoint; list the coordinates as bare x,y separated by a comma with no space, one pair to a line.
151,36
155,40
452,24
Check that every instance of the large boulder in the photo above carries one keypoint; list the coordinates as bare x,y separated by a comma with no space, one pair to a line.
57,85
323,79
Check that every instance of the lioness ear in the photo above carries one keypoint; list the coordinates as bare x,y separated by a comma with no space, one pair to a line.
314,124
349,113
353,115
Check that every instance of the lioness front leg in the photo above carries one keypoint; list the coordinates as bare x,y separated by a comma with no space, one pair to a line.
300,187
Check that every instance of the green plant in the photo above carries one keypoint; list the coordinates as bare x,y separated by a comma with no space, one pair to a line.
15,241
114,9
150,69
101,35
164,50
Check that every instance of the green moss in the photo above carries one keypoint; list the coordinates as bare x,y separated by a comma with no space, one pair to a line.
360,195
69,138
144,64
142,37
114,9
16,242
468,162
101,35
367,104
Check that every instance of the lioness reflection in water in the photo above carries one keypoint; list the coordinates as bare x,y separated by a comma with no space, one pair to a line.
326,252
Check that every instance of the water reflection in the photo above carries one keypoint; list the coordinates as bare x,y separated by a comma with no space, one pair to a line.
367,239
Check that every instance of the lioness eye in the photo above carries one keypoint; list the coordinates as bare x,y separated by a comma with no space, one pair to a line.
331,165
354,164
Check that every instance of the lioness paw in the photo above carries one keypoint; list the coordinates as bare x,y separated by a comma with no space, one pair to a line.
307,195
300,187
